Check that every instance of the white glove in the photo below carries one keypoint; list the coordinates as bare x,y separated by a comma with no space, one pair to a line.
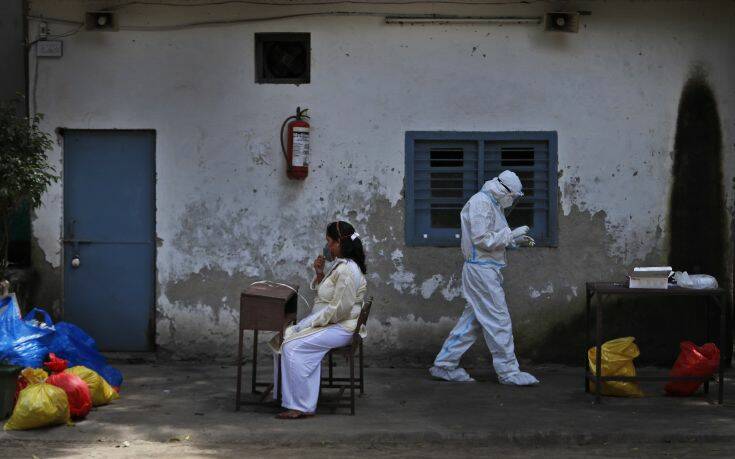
525,241
520,231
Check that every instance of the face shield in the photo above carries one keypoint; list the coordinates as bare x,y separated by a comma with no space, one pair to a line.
511,198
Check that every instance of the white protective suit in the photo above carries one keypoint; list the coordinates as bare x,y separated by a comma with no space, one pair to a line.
485,236
330,324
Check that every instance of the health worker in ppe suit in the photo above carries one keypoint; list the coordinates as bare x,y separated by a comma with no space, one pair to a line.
485,237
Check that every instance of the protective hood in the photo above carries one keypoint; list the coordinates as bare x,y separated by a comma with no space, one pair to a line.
499,191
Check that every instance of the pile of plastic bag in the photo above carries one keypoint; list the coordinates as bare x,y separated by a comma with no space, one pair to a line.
43,400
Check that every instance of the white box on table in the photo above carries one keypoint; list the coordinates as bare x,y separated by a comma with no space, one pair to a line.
656,277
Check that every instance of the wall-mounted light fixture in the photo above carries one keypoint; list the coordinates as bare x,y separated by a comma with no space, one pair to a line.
440,19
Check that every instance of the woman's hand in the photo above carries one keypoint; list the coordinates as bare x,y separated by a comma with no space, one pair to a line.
319,265
319,268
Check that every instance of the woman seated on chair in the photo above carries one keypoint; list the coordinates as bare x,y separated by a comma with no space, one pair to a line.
331,323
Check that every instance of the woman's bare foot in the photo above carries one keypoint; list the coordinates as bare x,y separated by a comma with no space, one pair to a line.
294,414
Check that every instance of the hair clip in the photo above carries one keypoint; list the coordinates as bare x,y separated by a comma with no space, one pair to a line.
354,236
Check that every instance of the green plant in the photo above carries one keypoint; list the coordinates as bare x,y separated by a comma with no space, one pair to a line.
25,173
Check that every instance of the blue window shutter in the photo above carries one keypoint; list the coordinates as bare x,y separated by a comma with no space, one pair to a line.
444,169
444,178
532,156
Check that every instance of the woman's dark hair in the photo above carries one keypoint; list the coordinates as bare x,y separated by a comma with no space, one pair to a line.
342,232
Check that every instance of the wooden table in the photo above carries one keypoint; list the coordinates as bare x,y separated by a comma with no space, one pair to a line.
266,306
714,297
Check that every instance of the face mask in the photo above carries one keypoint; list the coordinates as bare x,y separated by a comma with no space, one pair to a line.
506,201
510,199
508,210
327,253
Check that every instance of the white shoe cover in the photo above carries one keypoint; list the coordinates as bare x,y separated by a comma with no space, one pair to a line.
519,379
455,375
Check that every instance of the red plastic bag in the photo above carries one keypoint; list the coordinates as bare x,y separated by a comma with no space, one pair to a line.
19,386
693,360
55,364
77,391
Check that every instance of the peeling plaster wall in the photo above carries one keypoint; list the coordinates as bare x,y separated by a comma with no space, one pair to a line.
227,215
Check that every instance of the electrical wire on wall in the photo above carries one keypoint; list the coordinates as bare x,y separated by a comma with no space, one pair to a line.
223,22
226,22
230,22
32,103
327,2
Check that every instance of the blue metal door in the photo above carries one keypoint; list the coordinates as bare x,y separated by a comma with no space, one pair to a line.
109,227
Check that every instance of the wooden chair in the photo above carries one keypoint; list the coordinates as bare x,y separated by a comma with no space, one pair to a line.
349,351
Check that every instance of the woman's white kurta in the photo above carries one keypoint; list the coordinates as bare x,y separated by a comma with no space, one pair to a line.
330,324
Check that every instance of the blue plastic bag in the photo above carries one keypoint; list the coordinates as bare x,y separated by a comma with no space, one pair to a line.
71,343
22,343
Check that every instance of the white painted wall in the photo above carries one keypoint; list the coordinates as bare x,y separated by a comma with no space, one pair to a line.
611,93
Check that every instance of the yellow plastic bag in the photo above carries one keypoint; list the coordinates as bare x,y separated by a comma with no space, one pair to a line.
102,393
30,376
617,360
34,375
39,404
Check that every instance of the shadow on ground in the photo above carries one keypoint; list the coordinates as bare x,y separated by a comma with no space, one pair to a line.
192,406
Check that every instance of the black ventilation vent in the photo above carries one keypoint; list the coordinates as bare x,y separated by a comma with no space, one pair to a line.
282,58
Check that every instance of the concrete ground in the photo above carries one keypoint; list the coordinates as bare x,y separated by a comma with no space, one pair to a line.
187,410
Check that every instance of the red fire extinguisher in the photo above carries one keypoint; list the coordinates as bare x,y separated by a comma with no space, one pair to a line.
296,151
